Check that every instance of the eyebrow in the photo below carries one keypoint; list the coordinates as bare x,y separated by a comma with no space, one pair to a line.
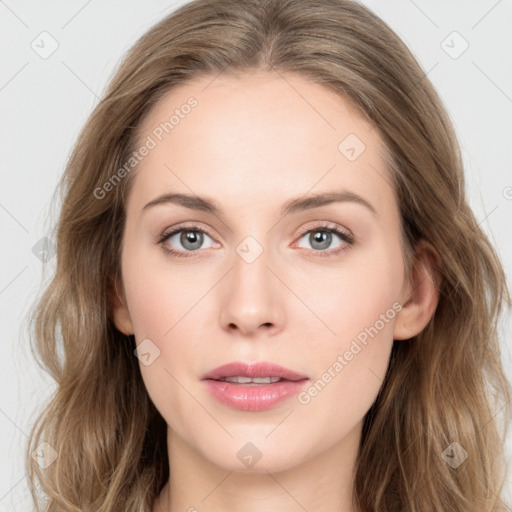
299,204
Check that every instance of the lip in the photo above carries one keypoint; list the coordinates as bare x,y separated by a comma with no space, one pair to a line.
260,369
253,397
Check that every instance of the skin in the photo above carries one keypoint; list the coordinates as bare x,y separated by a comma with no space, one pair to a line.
253,142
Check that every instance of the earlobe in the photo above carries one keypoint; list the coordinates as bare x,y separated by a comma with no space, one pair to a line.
421,294
119,310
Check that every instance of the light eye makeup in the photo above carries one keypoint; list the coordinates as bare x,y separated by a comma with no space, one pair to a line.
324,234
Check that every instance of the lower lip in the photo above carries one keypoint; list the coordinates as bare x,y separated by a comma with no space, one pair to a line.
253,397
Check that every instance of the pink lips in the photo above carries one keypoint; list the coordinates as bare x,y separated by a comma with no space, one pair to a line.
263,369
252,396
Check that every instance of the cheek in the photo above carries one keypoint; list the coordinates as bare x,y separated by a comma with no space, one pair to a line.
164,306
352,296
160,293
359,304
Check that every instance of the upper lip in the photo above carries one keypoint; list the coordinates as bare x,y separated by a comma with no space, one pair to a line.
260,369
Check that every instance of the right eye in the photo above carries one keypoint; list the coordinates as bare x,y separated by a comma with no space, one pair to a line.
191,239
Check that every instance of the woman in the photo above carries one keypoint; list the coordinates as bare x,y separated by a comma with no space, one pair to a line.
328,340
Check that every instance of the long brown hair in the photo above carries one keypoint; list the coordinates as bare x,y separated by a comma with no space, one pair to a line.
445,385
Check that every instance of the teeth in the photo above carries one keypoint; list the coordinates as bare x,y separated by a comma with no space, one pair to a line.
255,380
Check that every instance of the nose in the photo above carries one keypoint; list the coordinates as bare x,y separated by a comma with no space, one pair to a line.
251,298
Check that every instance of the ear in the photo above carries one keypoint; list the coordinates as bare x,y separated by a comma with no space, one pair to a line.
119,310
420,293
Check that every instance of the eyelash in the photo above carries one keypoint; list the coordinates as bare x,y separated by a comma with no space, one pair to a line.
345,236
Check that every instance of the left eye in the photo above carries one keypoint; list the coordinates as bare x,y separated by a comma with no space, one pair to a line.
320,239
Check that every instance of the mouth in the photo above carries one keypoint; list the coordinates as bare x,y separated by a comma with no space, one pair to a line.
253,373
253,387
248,381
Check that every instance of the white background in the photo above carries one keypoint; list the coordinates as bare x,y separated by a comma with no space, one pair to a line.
45,102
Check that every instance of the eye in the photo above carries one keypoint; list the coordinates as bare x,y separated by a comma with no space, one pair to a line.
321,238
190,238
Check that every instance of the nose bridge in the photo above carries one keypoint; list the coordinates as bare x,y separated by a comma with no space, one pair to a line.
250,296
250,270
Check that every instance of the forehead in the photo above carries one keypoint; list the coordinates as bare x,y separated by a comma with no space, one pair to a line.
262,134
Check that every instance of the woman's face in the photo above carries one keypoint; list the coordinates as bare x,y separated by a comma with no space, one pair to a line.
261,279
